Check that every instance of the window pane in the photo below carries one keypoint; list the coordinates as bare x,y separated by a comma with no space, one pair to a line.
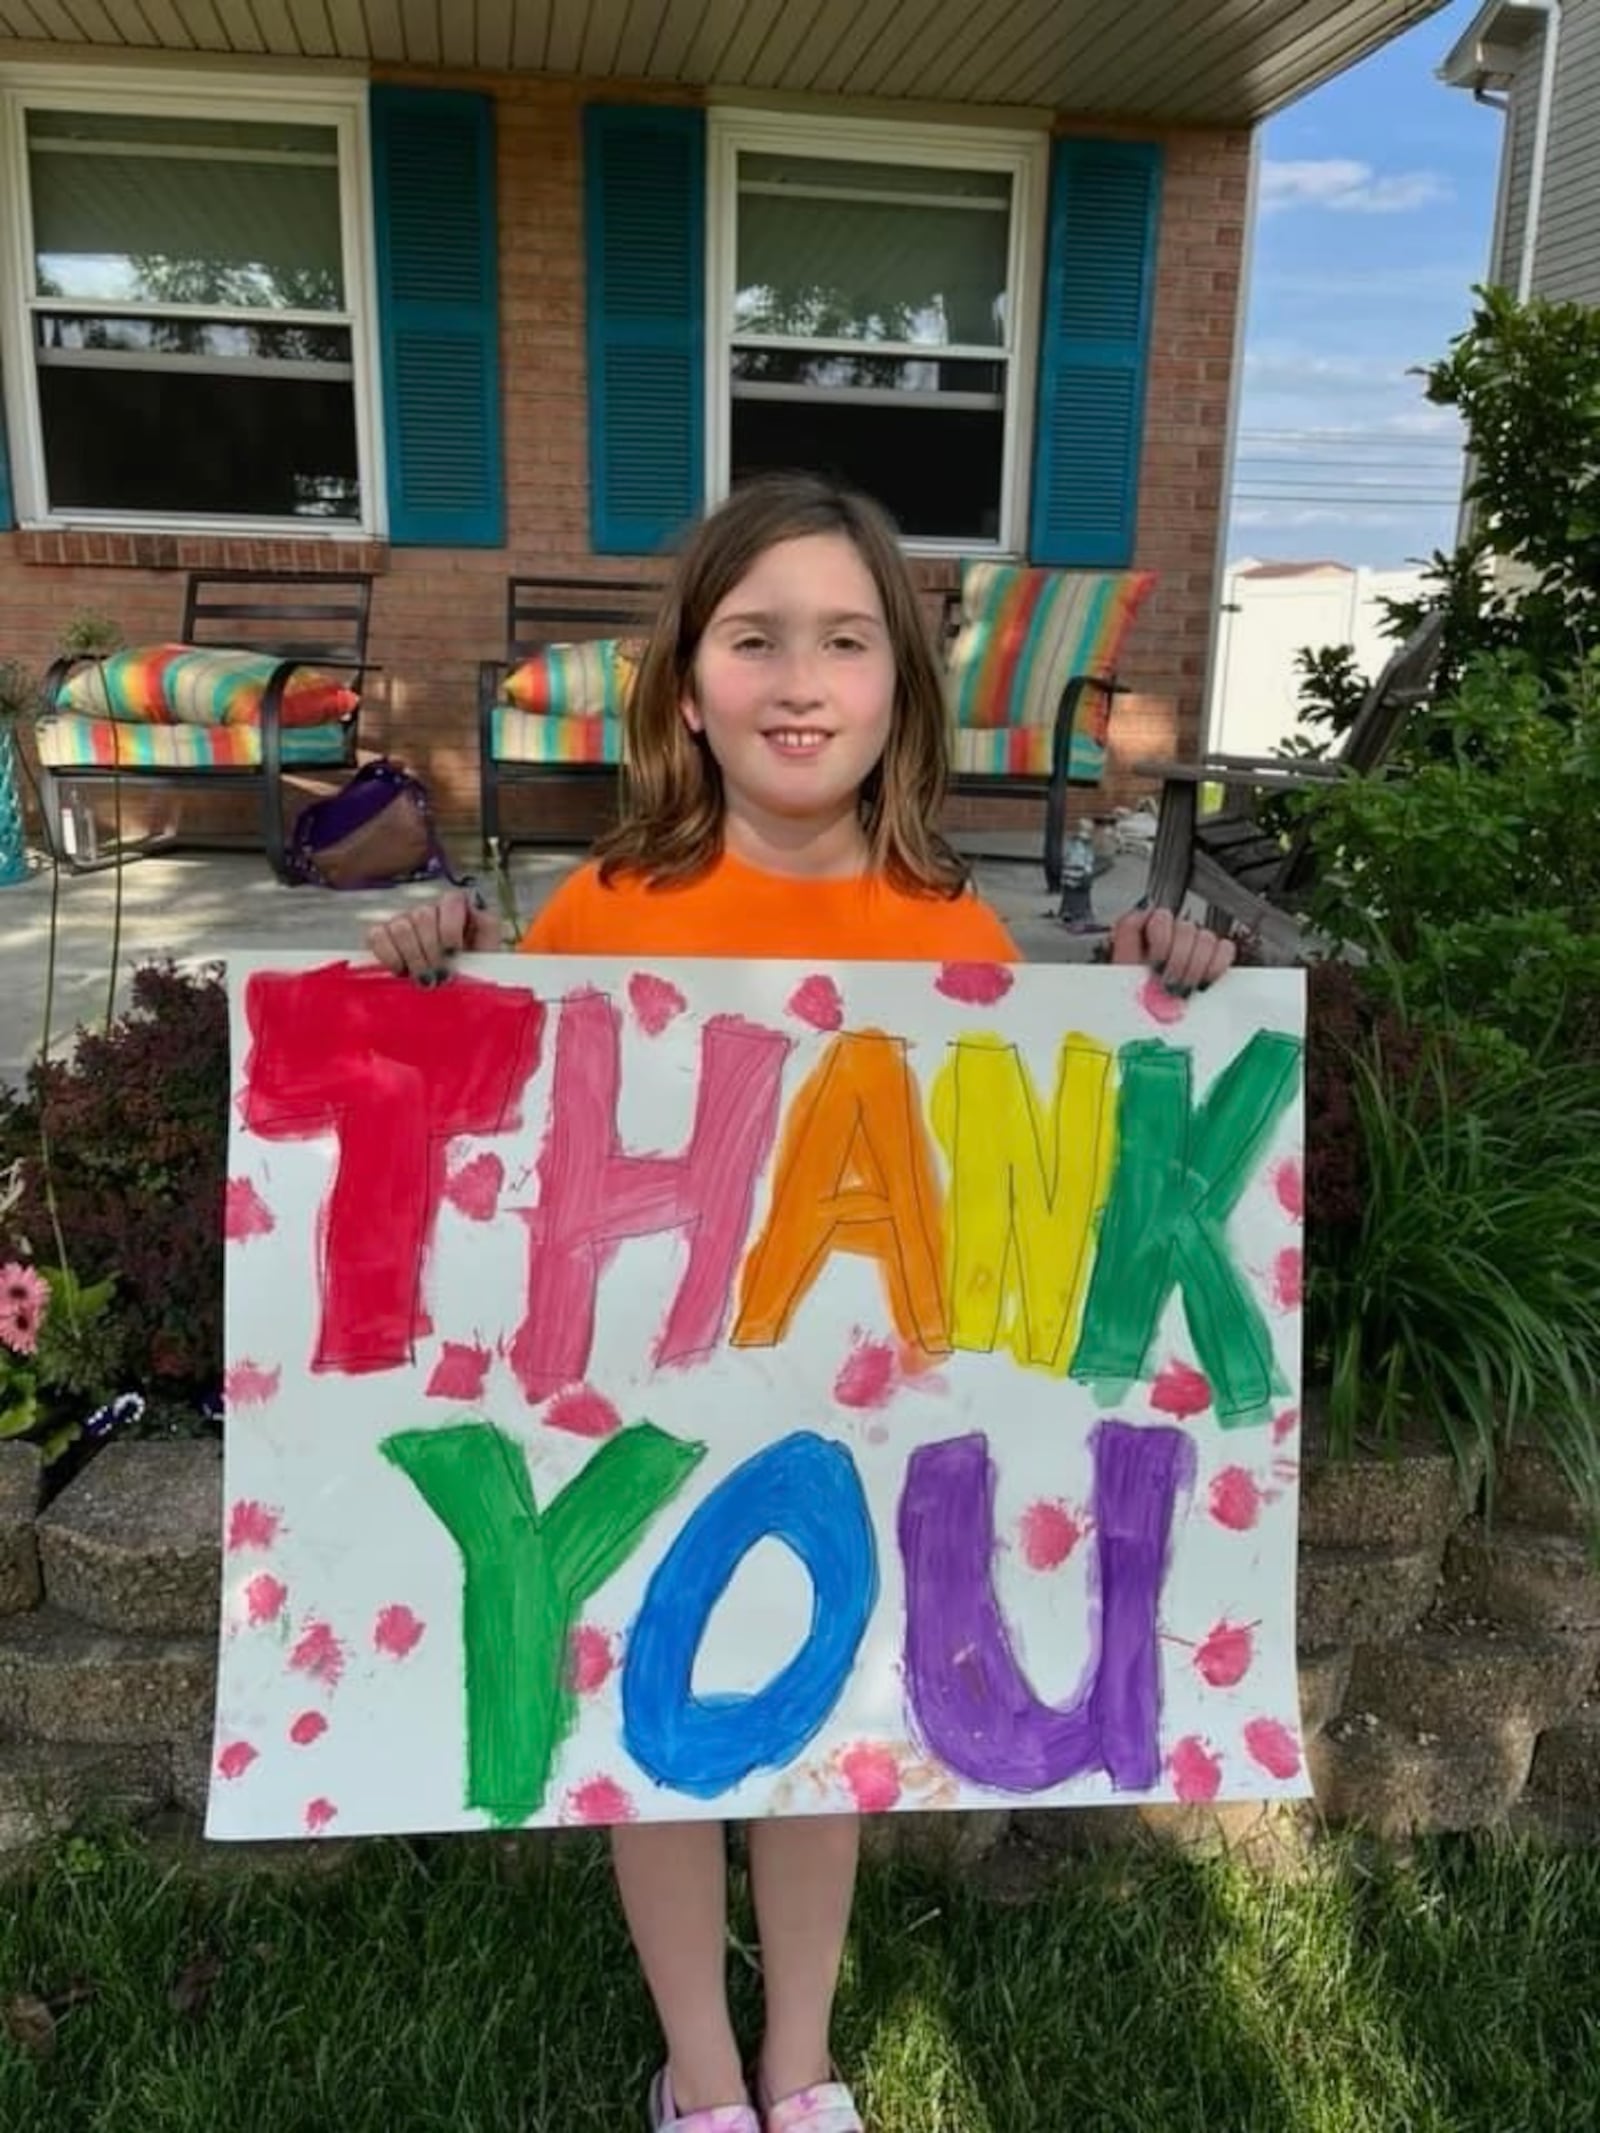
871,251
185,211
937,470
215,343
205,444
794,371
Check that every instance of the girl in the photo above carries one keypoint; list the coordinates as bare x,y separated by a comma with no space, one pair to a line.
787,755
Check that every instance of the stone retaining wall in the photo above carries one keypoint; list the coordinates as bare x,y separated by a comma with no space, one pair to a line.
1450,1671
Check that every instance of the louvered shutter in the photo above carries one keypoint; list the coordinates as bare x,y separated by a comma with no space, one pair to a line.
644,213
438,302
1105,213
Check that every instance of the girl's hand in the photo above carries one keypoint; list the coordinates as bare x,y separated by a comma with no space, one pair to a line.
422,944
1184,956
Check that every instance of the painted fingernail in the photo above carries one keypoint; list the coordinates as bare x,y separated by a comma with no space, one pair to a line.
480,902
452,952
1176,992
429,978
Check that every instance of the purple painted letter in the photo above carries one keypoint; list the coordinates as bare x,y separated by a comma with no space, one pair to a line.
592,1195
973,1706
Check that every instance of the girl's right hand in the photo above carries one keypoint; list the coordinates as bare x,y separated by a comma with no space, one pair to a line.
423,943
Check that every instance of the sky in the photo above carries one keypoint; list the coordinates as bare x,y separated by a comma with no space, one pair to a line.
1376,209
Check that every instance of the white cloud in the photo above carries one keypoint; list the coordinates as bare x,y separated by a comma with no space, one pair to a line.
1345,186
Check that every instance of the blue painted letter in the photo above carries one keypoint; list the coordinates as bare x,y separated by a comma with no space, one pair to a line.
804,1492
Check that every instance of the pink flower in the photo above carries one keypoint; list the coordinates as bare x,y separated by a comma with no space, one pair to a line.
24,1298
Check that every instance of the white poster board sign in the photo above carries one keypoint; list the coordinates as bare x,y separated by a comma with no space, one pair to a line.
717,1389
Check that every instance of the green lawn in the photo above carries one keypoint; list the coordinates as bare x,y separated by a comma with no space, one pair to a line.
407,1992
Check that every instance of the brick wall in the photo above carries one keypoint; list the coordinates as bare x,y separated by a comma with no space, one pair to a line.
437,612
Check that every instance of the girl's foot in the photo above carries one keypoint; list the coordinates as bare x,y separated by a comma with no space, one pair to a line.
721,2118
829,2107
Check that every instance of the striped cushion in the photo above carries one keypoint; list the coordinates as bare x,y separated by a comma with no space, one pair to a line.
182,685
67,742
575,680
1024,751
532,737
1026,633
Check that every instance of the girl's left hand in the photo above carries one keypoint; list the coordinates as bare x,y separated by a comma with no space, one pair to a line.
1184,956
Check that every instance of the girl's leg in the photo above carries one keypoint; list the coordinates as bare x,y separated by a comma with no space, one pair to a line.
803,1875
673,1878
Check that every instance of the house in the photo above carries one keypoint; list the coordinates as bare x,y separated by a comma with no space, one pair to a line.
445,291
1538,62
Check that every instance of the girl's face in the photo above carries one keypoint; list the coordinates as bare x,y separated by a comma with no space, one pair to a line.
794,688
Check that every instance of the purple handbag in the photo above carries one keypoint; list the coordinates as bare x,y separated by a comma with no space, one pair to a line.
374,831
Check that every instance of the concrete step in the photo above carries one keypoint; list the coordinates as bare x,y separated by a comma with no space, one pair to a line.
1523,1577
1566,1763
1364,1595
1393,1782
46,1787
65,1680
1457,1683
135,1542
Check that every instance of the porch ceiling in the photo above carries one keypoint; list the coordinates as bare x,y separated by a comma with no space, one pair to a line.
1196,61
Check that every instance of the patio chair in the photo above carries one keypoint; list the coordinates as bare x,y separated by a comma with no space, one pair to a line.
1246,874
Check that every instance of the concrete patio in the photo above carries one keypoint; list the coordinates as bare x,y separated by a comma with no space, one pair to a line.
198,908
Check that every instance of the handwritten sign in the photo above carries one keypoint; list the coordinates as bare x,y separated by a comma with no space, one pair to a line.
715,1389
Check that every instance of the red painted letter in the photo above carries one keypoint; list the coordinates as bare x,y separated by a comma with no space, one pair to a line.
592,1195
394,1073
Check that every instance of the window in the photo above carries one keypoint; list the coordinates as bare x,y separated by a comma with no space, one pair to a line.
873,299
191,338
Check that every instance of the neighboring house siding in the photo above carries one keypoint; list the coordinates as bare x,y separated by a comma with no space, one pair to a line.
1568,262
437,611
1521,116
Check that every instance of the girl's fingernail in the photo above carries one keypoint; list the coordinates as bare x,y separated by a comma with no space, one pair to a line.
480,902
452,952
428,978
1143,904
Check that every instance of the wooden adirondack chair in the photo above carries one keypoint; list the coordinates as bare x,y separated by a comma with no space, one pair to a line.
1247,875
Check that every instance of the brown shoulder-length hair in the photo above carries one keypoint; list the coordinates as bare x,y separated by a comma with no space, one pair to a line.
670,828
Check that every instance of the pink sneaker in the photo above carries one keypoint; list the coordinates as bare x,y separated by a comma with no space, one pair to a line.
721,2118
828,2108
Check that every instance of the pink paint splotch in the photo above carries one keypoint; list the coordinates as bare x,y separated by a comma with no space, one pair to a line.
872,1772
263,1598
1285,1425
319,1814
1288,1279
655,1002
320,1654
1181,1391
1236,1499
583,1412
1289,1184
1196,1772
308,1729
591,1659
817,1001
974,984
235,1759
460,1373
600,1801
252,1525
1048,1532
1159,1004
869,1376
1226,1654
245,1213
248,1384
1273,1745
474,1189
397,1631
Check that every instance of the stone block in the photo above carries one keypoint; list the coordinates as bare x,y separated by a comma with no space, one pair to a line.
1524,1577
1531,1490
1395,1784
21,1480
65,1680
19,1566
1451,1684
1272,1833
1409,1502
49,1788
1324,1674
135,1542
1566,1763
953,1841
1363,1595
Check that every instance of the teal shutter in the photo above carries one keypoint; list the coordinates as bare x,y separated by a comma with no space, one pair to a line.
8,513
1105,217
644,213
438,307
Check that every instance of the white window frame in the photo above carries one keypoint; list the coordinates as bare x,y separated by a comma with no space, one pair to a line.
1023,156
335,102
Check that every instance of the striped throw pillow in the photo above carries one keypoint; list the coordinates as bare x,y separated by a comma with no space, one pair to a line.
190,685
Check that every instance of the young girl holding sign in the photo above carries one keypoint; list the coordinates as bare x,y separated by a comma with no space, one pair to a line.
786,744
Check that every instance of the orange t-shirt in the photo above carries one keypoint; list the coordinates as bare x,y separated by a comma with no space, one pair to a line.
738,910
